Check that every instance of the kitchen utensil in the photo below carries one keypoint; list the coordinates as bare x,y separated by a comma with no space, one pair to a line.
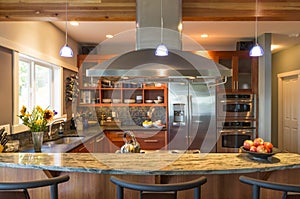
131,145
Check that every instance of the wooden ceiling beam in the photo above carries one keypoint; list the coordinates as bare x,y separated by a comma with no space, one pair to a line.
124,10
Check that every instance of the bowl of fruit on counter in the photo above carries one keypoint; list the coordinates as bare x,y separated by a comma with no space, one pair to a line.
147,124
259,149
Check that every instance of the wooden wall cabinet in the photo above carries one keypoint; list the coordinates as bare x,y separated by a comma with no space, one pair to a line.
95,91
244,70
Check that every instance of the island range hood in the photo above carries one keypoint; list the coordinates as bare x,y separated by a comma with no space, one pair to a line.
142,62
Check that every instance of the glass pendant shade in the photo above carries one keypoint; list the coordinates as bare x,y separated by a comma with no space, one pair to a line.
256,51
161,50
66,51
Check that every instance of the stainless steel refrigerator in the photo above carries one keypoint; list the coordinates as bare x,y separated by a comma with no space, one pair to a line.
192,115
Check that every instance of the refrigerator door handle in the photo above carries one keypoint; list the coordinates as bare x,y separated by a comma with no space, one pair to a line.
190,115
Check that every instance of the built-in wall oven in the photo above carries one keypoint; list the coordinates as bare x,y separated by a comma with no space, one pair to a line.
236,121
232,134
236,105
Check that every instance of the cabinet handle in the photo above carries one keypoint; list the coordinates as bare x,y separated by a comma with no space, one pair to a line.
151,141
99,139
237,85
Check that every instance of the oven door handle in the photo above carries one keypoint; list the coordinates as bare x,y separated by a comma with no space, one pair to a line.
236,130
236,101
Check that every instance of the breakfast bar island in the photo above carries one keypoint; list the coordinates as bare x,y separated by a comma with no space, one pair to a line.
90,172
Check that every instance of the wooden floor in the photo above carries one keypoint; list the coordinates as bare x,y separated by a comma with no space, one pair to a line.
97,186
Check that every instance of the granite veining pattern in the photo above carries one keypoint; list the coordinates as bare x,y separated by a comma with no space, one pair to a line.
150,163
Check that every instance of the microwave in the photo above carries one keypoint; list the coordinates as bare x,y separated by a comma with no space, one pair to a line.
236,105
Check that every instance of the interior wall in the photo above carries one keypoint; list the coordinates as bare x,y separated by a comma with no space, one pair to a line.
283,61
41,40
6,86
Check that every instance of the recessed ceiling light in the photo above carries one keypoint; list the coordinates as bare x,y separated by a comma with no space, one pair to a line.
109,36
204,35
294,35
273,47
74,23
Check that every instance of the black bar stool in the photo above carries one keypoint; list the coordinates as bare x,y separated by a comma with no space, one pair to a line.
257,184
52,182
158,190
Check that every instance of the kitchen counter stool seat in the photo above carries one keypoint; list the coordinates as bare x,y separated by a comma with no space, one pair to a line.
159,191
257,184
18,190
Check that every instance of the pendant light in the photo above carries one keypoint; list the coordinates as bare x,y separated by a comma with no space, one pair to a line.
66,50
161,49
256,50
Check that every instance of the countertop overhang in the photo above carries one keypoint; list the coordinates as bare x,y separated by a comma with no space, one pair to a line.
151,163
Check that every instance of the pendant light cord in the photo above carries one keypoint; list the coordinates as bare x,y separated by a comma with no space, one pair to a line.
66,22
161,22
256,23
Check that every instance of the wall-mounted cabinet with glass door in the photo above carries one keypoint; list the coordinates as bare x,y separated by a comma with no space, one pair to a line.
244,70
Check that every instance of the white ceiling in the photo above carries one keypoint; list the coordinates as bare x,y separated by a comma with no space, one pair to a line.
223,35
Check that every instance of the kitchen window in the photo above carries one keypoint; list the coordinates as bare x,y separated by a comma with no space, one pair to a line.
38,83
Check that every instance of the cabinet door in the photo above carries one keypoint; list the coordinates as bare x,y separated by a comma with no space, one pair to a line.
104,145
244,70
151,140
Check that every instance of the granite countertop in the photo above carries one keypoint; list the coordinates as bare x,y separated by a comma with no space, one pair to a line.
150,163
131,128
48,147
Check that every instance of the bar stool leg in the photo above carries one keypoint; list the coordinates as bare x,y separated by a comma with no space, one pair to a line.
120,192
256,192
197,193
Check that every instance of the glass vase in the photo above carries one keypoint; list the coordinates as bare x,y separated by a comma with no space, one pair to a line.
37,139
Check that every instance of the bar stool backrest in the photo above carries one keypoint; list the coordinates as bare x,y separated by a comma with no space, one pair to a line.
158,188
257,184
52,182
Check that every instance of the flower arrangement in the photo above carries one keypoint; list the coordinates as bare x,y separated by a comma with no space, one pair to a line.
38,119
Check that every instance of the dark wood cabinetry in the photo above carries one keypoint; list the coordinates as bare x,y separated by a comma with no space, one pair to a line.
86,147
97,91
244,70
148,140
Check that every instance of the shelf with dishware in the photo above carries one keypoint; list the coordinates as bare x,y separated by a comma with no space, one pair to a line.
110,93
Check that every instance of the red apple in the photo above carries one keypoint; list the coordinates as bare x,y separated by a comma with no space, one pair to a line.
261,149
268,146
247,144
258,141
253,149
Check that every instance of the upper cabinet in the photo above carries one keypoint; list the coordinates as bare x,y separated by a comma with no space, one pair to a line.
244,70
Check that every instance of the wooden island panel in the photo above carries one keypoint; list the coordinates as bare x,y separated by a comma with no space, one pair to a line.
98,186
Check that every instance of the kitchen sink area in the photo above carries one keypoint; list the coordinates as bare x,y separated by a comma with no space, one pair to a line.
64,140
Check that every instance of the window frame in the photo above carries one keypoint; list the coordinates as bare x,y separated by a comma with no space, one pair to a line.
56,87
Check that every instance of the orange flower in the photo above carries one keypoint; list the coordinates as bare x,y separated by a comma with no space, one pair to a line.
23,110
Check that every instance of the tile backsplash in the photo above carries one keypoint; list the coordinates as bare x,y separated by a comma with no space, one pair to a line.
128,115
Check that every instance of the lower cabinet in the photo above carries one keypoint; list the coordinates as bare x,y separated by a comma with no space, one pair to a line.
112,141
87,147
148,140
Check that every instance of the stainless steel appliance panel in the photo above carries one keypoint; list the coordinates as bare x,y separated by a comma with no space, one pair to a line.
197,131
236,105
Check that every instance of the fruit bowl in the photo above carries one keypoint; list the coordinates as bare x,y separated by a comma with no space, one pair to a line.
147,125
257,155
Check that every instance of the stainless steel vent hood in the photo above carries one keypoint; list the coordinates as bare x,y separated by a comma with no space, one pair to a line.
143,62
